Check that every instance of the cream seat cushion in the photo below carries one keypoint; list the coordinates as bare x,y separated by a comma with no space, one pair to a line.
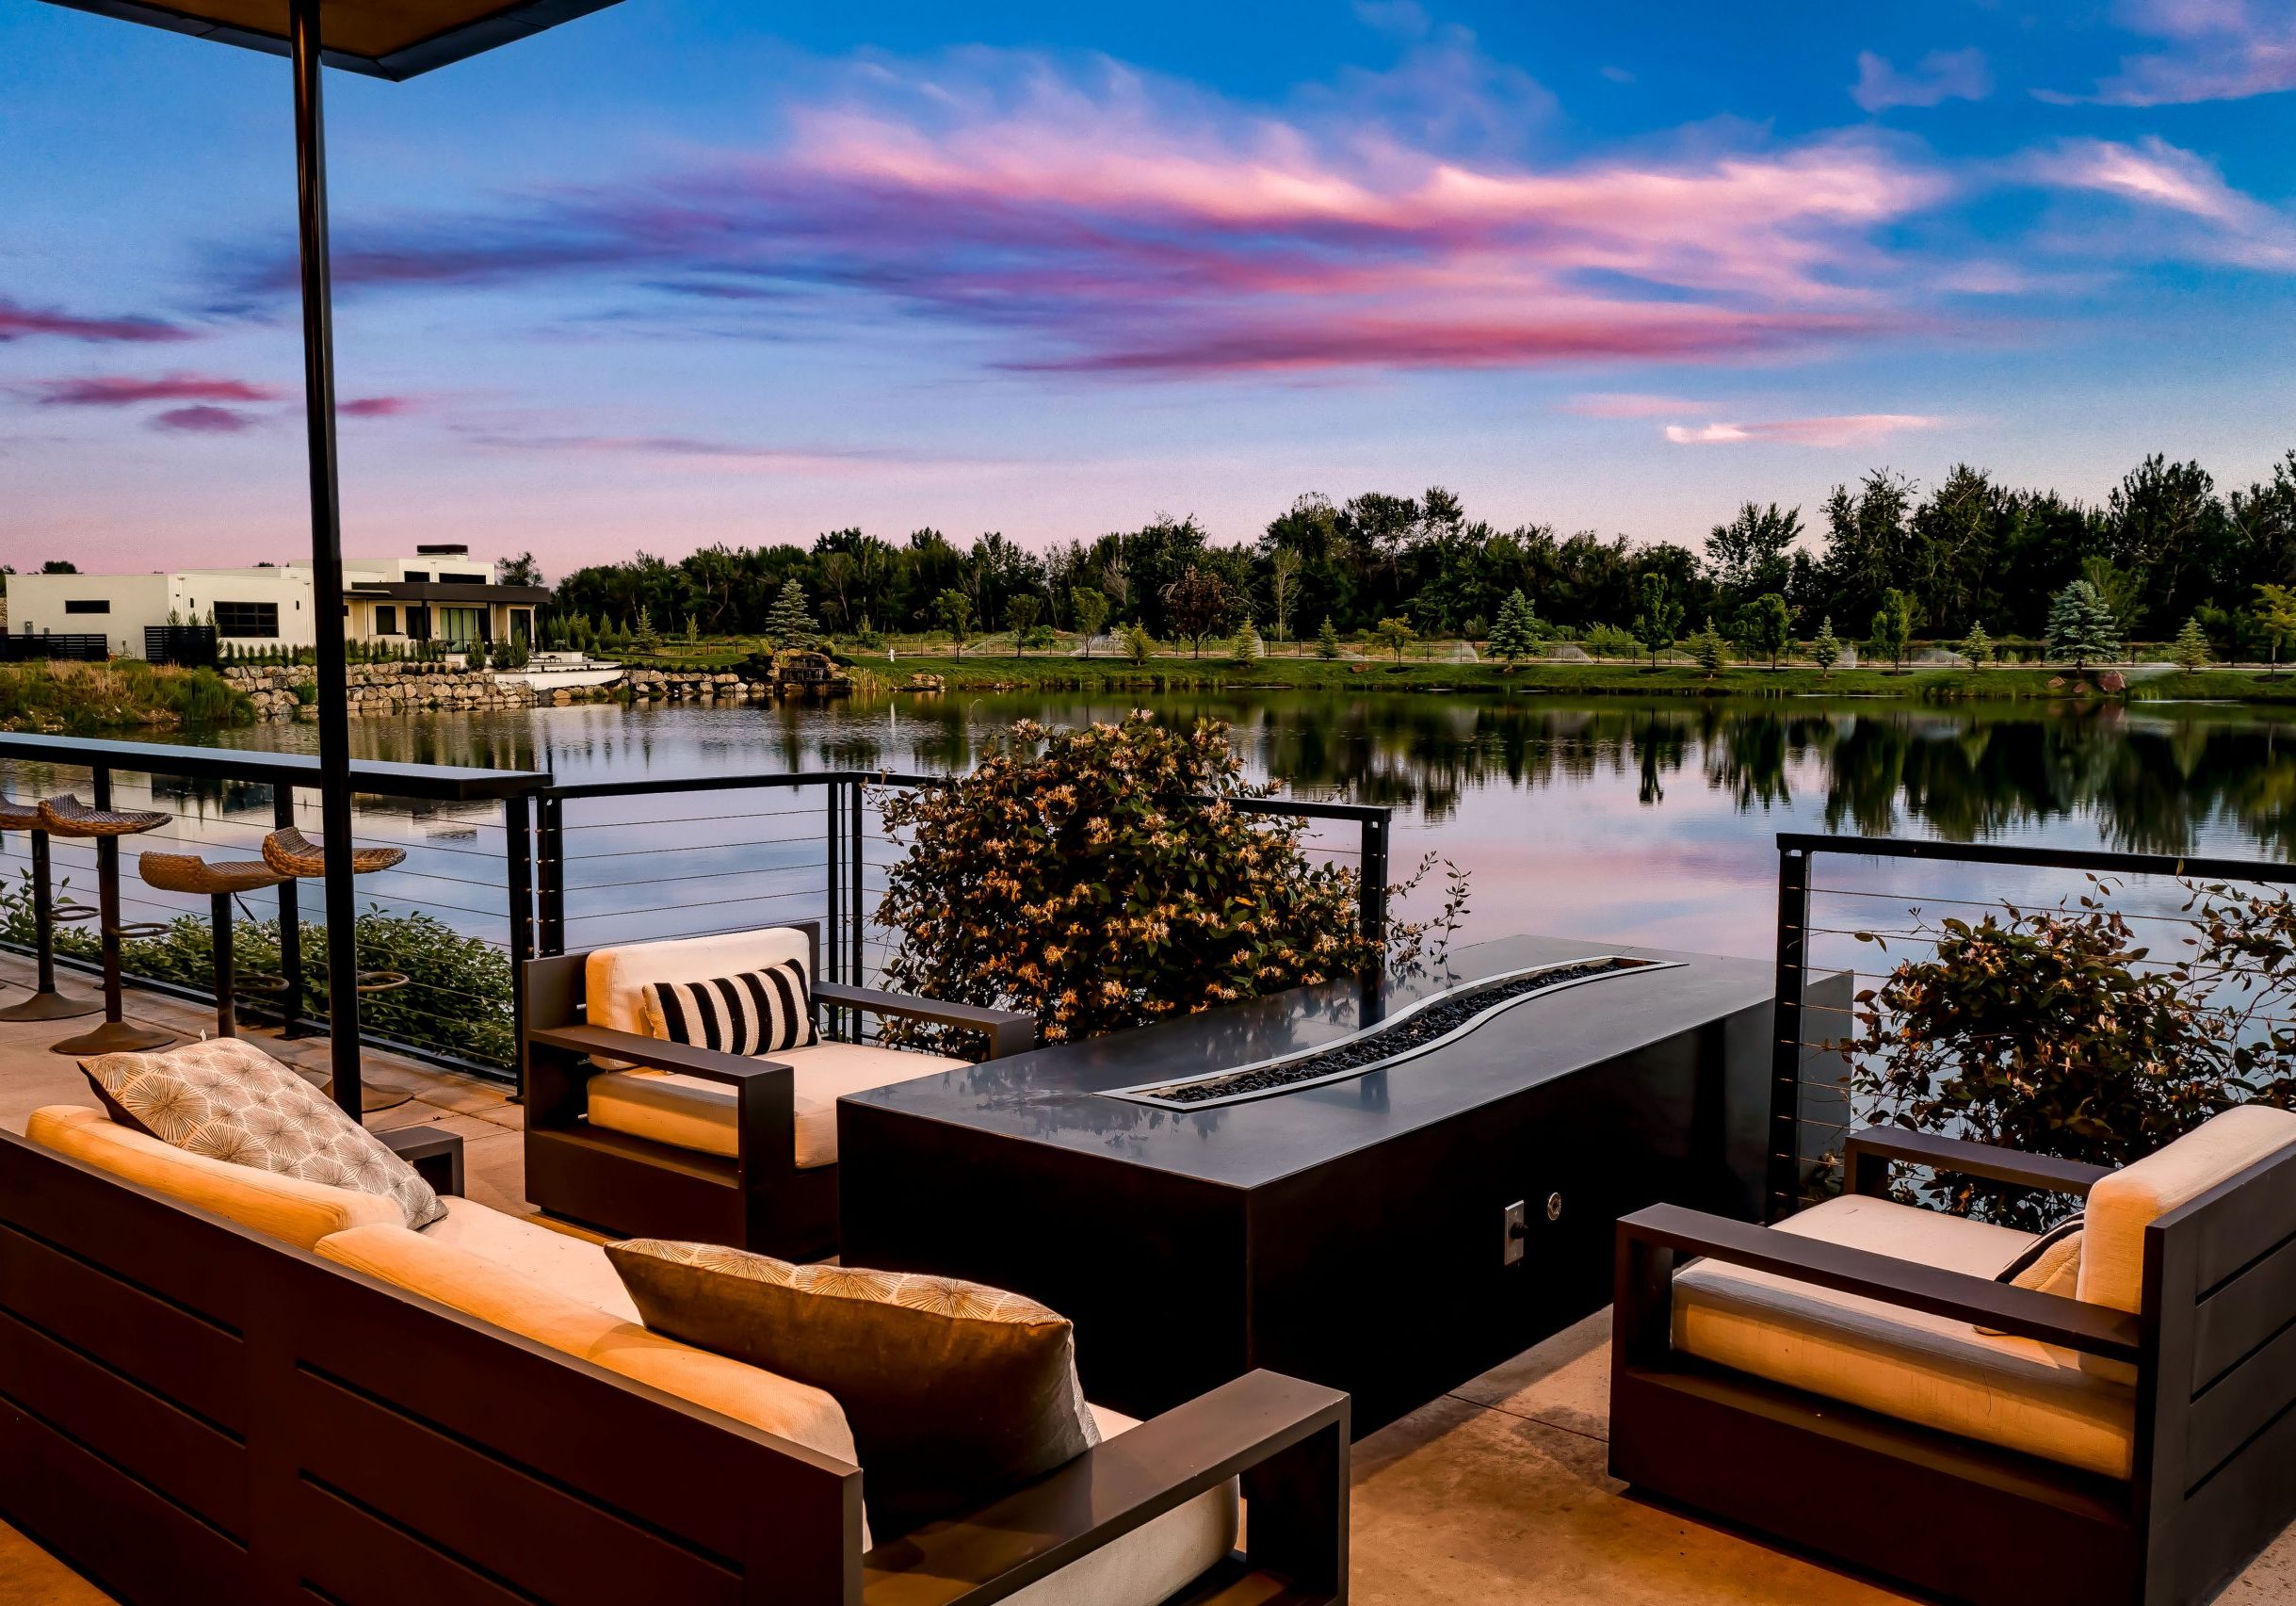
492,1291
691,1114
572,1265
2132,1198
2016,1393
287,1207
1152,1563
614,979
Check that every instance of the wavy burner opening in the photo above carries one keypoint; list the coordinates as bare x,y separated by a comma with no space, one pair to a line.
1419,1027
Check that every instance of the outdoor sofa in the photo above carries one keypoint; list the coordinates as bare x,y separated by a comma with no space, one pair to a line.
1864,1380
218,1385
633,1134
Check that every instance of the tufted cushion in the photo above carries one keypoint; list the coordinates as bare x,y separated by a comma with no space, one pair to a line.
226,1099
956,1392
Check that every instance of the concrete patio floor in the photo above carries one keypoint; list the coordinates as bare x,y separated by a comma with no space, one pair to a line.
1493,1493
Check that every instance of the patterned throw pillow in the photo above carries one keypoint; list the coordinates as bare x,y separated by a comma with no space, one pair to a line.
229,1100
759,1012
956,1392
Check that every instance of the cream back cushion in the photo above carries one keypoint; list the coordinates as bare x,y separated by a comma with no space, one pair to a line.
493,1292
286,1207
2132,1198
615,979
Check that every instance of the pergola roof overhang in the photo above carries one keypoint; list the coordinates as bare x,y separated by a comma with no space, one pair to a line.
382,38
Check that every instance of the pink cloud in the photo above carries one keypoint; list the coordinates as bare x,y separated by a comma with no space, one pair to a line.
18,322
203,420
1846,430
2214,50
1105,223
378,407
106,390
1626,404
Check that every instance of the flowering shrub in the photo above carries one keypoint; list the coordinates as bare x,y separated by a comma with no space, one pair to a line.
2053,1031
1069,876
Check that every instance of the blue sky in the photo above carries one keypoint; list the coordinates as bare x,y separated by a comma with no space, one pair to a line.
683,272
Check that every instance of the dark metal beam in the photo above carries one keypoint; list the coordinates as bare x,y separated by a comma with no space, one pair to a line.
340,902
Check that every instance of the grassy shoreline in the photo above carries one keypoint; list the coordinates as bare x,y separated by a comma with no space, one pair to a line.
984,673
126,694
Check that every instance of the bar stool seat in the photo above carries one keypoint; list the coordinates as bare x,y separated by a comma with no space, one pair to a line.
68,816
105,825
46,1002
289,853
217,884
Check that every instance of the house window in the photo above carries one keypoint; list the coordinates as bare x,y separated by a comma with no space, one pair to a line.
448,579
422,574
87,605
522,624
386,619
418,624
462,629
247,619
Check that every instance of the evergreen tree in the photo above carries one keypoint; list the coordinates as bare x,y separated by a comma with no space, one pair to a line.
1139,647
1327,640
1977,647
1514,634
1825,648
2081,626
790,623
1709,650
2190,652
1248,643
642,635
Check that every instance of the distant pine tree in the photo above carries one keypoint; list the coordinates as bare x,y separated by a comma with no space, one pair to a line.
1708,651
1327,640
2081,626
1977,647
1825,648
1514,633
790,623
2189,651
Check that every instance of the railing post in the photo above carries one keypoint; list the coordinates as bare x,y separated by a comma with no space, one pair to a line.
290,928
1786,1022
832,928
1371,891
550,875
858,859
518,850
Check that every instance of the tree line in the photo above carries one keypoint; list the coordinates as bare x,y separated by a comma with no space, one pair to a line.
1882,558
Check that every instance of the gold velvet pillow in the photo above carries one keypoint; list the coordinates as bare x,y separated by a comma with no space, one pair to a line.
956,1392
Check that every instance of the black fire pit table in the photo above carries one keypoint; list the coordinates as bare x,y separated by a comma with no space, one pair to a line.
1387,1196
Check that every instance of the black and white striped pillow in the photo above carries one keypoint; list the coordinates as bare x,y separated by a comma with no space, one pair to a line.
759,1012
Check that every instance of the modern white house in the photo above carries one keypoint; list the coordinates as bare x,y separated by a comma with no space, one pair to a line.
441,595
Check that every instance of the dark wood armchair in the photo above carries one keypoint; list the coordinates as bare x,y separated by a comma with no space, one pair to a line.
751,1190
2208,1365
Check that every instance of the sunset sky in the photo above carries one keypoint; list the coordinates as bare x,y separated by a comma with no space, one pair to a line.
698,270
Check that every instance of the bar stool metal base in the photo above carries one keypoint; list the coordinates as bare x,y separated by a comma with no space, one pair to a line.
115,1037
52,1006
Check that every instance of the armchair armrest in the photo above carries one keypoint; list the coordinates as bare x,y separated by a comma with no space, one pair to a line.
1009,1031
1870,1149
1286,1437
2093,1329
658,1052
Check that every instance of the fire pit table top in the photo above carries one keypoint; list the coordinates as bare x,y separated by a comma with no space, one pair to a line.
1072,1096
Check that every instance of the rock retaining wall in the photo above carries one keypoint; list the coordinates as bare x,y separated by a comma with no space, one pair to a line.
380,688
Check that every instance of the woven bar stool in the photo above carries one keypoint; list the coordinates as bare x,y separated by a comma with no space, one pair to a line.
68,816
46,1002
219,883
289,853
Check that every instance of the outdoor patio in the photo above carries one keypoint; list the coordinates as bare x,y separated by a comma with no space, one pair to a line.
1495,1492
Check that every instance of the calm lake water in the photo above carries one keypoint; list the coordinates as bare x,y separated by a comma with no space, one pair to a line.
1611,819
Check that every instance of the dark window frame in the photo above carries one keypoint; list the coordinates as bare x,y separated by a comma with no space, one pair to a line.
88,605
247,620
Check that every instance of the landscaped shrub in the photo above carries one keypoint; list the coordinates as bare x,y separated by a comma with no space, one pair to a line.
1069,876
457,999
2055,1032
